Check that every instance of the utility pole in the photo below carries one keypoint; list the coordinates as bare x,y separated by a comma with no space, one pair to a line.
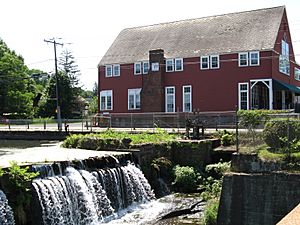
59,123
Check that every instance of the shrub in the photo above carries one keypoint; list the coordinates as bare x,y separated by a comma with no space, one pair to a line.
217,170
227,140
251,119
275,132
211,213
185,178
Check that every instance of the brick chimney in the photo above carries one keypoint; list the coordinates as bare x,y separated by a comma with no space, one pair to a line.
152,94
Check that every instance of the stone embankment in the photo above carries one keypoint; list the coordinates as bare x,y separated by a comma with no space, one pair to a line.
256,192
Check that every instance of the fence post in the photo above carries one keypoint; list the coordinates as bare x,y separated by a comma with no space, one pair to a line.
91,125
178,117
153,126
110,121
130,121
28,124
237,129
8,124
44,124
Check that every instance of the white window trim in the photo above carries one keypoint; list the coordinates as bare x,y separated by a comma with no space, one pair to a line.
174,99
155,66
113,70
134,90
247,58
135,64
210,64
144,62
258,58
106,70
297,78
106,93
191,101
239,94
172,61
181,62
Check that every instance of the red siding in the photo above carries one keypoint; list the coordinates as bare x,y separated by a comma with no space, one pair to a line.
120,85
212,90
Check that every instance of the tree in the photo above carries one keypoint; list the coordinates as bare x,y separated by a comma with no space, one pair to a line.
47,107
68,66
69,92
17,88
95,89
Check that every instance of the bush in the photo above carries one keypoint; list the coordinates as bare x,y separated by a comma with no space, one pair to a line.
211,213
275,133
227,140
185,179
217,170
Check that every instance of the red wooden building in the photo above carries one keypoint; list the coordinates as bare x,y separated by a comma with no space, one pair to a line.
215,63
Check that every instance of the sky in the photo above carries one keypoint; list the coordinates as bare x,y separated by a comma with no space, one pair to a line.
89,27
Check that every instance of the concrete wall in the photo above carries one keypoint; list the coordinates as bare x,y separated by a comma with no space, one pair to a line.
255,199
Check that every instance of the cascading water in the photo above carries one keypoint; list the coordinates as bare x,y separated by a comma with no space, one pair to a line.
6,214
80,197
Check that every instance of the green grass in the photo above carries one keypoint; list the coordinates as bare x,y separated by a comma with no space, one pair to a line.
159,136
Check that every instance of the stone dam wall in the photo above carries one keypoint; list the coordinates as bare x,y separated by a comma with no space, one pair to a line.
256,194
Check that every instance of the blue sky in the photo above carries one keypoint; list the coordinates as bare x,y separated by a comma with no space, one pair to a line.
92,25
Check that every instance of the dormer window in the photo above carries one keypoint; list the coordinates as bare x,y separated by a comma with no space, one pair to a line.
174,64
169,65
137,68
204,62
254,58
112,70
209,62
249,59
214,62
243,59
145,67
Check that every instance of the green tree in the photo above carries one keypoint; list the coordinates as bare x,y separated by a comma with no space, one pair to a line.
17,88
68,66
70,100
47,107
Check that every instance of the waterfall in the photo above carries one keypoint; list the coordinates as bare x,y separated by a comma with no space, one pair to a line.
80,197
6,214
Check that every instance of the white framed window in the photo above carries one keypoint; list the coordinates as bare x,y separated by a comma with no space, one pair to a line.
169,65
254,58
297,74
155,66
187,98
204,62
137,68
170,99
214,62
179,64
243,59
116,70
134,98
243,94
106,100
284,59
108,70
145,67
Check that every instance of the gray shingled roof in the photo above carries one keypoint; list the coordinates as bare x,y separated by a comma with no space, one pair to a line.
234,32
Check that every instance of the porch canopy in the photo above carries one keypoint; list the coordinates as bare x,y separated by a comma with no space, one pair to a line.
279,85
